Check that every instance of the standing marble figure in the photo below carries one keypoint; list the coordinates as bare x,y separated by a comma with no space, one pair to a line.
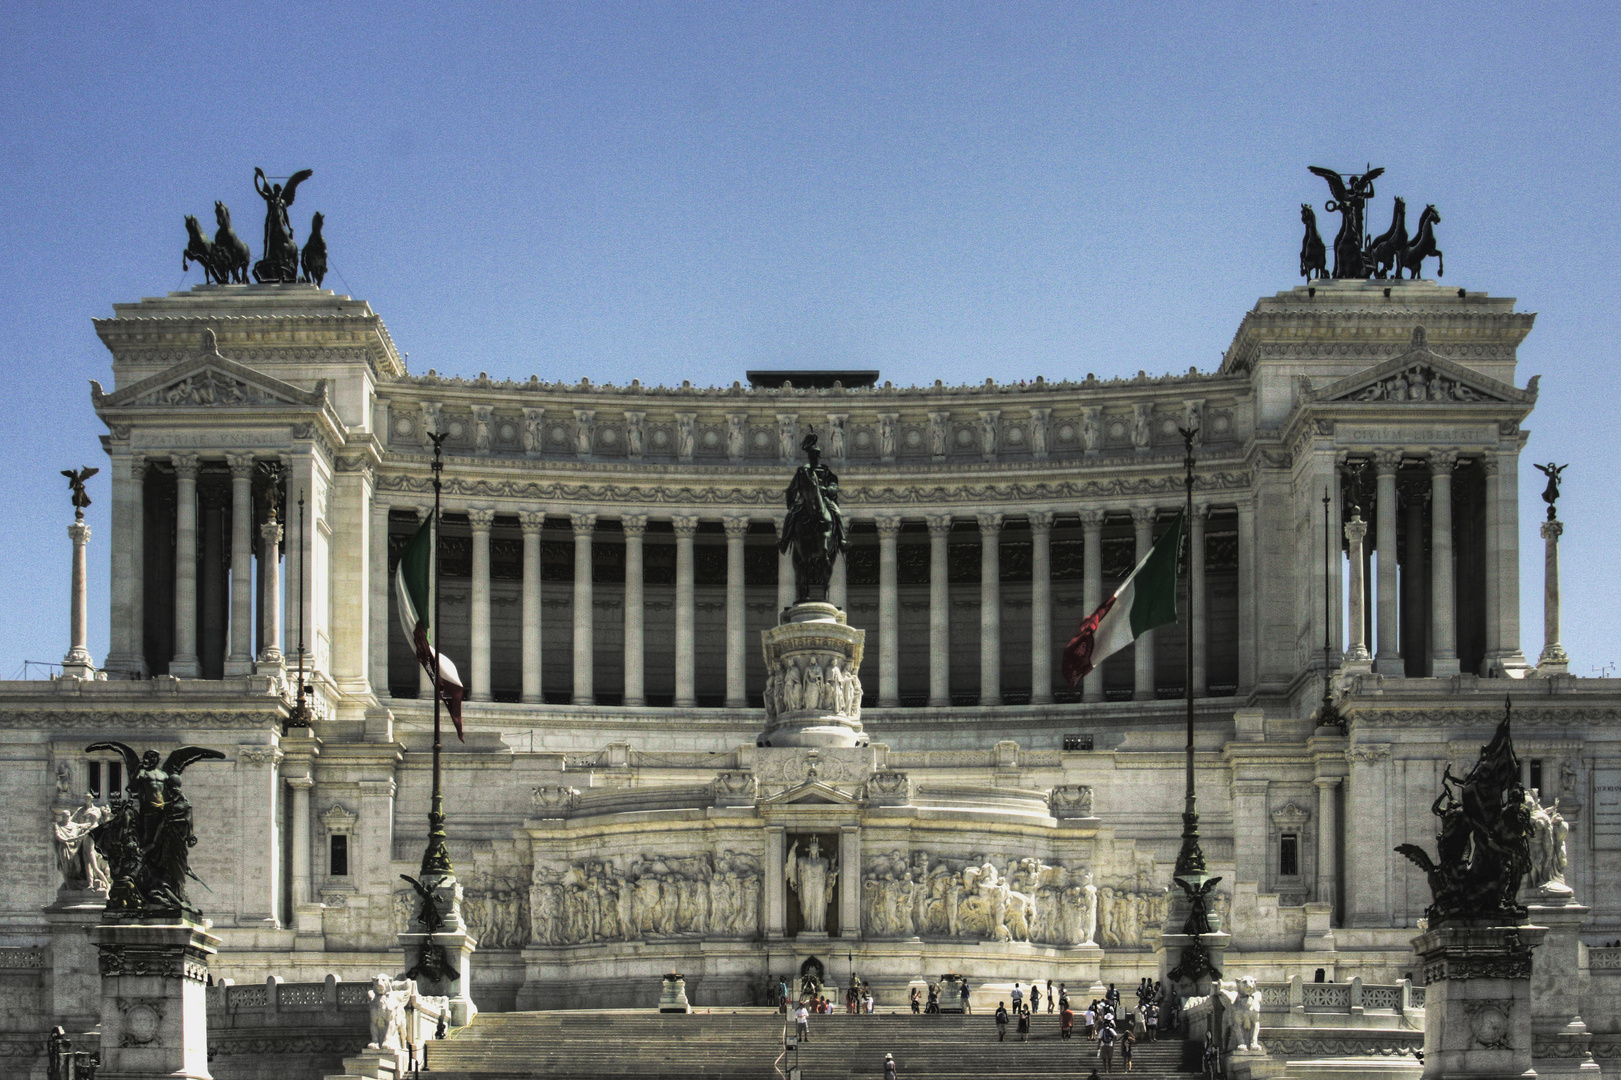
814,531
813,878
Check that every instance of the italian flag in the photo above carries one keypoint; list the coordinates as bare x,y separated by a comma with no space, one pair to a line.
412,582
1146,599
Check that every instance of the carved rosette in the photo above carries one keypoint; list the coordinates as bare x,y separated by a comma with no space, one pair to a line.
813,689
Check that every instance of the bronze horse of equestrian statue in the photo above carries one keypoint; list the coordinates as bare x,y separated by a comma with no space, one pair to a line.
1387,247
230,250
1412,255
1313,253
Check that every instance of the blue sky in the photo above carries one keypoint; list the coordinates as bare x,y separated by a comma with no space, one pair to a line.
684,191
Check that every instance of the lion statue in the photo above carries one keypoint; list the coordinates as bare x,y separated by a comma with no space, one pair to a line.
388,998
1243,1013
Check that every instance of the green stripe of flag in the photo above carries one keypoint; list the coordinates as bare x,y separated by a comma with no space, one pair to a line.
1154,600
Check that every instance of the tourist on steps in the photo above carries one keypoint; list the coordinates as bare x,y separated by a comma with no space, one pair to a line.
1001,1021
1035,997
916,998
802,1023
967,1009
1049,995
1066,1022
1018,998
1024,1024
889,1067
1106,1040
1126,1043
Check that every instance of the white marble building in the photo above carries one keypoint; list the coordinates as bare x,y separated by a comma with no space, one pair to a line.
609,565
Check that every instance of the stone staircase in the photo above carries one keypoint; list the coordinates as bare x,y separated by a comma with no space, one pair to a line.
743,1043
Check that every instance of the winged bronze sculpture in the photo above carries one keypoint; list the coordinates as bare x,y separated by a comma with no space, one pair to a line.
76,479
280,252
147,836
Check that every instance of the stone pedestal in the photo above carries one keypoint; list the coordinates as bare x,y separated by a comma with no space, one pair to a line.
1559,984
458,946
371,1064
812,693
153,1020
673,995
75,987
1477,1008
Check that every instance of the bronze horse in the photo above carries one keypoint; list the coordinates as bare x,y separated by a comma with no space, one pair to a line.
314,254
1313,253
1385,249
199,250
230,250
1412,256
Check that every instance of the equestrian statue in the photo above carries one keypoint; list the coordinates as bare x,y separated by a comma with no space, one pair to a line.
814,532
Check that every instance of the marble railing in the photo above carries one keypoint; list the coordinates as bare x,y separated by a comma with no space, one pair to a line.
1605,960
1311,1019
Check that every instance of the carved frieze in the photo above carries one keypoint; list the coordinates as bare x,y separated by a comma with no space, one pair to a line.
1070,801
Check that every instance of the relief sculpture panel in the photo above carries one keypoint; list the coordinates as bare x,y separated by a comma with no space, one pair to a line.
594,900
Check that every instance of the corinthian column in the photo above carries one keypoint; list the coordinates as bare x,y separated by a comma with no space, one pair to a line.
686,527
584,685
889,612
939,611
990,609
785,575
635,526
1143,652
1092,588
1041,604
1388,661
78,664
270,657
185,664
1553,660
737,531
1443,604
239,661
1356,651
479,634
532,521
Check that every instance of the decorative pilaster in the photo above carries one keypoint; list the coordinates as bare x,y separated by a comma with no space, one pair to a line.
939,611
185,664
849,882
635,526
686,527
889,611
1443,599
737,531
1357,657
1142,518
300,787
531,521
1041,601
1553,660
1092,587
478,688
584,626
990,609
1388,659
77,664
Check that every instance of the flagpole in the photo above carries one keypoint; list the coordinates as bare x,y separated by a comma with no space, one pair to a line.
436,858
299,716
1190,860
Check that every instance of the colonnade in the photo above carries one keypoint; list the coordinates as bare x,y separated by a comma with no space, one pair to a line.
886,647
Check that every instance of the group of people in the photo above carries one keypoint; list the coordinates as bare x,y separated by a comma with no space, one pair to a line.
1111,1026
935,992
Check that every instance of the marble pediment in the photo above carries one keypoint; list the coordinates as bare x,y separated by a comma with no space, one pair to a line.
812,793
1421,375
208,380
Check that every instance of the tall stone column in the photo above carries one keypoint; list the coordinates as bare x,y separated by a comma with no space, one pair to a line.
889,611
1489,466
838,583
1357,657
1503,520
1247,619
1092,587
1553,660
212,631
635,526
1415,600
77,664
531,521
1041,603
270,655
785,575
737,531
1388,659
1142,518
478,688
300,787
379,582
239,661
1199,620
585,692
1328,831
686,655
990,609
185,664
127,654
939,611
1443,602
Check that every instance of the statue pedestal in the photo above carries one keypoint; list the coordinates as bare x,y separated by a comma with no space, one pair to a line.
153,1018
813,694
1559,983
459,947
1477,1009
75,989
673,995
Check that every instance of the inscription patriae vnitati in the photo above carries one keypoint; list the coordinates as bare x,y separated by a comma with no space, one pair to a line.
1357,434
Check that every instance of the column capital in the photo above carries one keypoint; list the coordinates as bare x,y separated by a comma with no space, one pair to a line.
685,525
1040,520
939,524
1442,462
1386,461
241,466
1553,530
1328,782
989,522
532,521
633,524
185,466
1356,529
424,511
79,532
1144,515
1091,519
271,530
480,518
1490,464
299,783
583,523
889,526
737,526
137,466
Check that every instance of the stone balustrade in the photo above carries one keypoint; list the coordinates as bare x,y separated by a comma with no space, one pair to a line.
1301,1019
